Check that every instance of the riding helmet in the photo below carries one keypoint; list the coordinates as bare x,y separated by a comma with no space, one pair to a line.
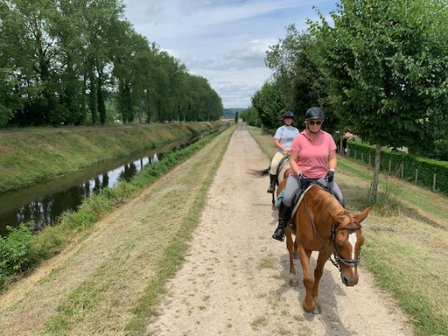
314,113
288,114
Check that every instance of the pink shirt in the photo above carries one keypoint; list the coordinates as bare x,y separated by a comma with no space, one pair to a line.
313,155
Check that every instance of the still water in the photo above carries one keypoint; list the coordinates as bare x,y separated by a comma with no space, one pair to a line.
46,201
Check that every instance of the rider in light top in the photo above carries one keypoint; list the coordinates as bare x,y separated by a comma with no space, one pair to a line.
283,139
312,158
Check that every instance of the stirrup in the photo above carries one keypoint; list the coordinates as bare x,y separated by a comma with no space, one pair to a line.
271,189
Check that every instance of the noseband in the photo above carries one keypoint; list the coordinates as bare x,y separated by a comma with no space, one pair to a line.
337,260
348,262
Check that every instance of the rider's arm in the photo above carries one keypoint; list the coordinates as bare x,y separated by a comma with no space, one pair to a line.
293,157
332,160
279,145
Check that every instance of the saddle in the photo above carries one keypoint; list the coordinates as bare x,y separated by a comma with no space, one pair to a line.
298,197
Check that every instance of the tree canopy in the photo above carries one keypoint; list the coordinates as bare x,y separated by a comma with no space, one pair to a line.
81,62
387,67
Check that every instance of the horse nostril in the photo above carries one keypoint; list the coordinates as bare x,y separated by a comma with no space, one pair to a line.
344,279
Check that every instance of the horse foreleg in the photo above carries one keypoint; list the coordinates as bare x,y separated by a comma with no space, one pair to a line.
293,282
304,255
318,271
295,254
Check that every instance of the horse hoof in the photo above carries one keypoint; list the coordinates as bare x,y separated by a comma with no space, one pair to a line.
295,255
317,310
293,282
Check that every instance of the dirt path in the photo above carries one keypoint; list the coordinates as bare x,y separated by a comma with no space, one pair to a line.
234,280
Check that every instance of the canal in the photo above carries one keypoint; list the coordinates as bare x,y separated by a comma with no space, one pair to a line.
44,202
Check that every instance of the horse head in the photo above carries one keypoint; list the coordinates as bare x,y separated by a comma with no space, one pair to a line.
347,239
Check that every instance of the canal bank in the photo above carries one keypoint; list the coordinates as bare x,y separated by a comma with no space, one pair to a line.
22,250
28,156
44,202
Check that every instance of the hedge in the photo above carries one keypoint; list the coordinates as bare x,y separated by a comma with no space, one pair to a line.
427,173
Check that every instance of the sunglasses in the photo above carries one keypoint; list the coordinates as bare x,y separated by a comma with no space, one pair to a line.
318,123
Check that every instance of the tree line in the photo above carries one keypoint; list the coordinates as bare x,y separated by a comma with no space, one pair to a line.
80,62
378,69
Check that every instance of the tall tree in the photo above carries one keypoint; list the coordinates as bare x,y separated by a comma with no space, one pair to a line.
387,64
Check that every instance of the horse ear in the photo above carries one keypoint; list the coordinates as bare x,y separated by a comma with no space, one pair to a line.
364,214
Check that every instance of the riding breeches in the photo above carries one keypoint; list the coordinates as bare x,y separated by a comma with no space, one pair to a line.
275,162
293,184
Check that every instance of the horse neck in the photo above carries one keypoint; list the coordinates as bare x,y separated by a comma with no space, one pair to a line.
321,203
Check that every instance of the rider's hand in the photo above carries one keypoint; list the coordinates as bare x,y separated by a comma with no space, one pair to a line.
330,176
304,182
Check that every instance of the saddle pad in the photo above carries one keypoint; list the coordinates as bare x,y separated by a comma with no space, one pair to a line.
298,197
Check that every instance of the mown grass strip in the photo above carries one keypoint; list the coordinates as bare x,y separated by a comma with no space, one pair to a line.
174,254
82,308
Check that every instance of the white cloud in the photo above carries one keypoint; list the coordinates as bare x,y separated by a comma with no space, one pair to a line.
224,41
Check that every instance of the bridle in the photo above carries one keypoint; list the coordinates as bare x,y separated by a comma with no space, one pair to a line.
348,262
337,260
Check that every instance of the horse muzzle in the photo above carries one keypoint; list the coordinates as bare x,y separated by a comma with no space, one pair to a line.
349,276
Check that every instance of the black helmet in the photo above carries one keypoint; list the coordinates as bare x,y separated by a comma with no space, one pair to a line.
314,113
288,114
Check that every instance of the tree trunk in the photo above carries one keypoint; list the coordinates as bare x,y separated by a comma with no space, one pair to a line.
376,174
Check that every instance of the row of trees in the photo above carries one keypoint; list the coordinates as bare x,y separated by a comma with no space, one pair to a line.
72,61
379,69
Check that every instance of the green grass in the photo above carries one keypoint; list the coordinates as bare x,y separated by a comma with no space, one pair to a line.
169,249
405,241
29,156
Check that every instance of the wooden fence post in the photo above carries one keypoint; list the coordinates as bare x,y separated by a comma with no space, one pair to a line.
434,183
416,176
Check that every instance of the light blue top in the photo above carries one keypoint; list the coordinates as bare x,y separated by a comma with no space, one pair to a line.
285,135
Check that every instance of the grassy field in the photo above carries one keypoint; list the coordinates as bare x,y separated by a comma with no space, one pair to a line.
406,240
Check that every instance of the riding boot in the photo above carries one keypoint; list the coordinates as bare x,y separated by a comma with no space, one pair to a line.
271,188
284,214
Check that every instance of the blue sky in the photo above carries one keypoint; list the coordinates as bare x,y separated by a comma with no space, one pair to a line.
224,41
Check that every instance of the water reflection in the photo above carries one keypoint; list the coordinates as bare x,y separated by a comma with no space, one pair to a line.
44,202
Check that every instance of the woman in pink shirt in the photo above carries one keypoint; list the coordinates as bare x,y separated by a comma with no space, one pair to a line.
312,158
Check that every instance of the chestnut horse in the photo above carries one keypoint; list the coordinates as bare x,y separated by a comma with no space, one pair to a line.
322,224
282,173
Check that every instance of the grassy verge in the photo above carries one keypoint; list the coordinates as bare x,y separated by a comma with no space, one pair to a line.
173,255
166,231
406,241
71,225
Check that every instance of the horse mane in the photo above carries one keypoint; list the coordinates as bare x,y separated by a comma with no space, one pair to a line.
323,203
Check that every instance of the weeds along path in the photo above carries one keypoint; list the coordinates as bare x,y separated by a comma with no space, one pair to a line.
233,278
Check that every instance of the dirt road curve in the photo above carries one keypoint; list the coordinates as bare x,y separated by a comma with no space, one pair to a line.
235,280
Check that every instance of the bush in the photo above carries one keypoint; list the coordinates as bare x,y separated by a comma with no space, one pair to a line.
15,251
404,166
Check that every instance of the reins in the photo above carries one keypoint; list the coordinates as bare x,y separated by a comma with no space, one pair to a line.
332,238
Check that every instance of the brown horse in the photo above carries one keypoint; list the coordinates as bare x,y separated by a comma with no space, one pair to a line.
282,174
323,225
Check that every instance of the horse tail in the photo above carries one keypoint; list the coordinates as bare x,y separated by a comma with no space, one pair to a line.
259,173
